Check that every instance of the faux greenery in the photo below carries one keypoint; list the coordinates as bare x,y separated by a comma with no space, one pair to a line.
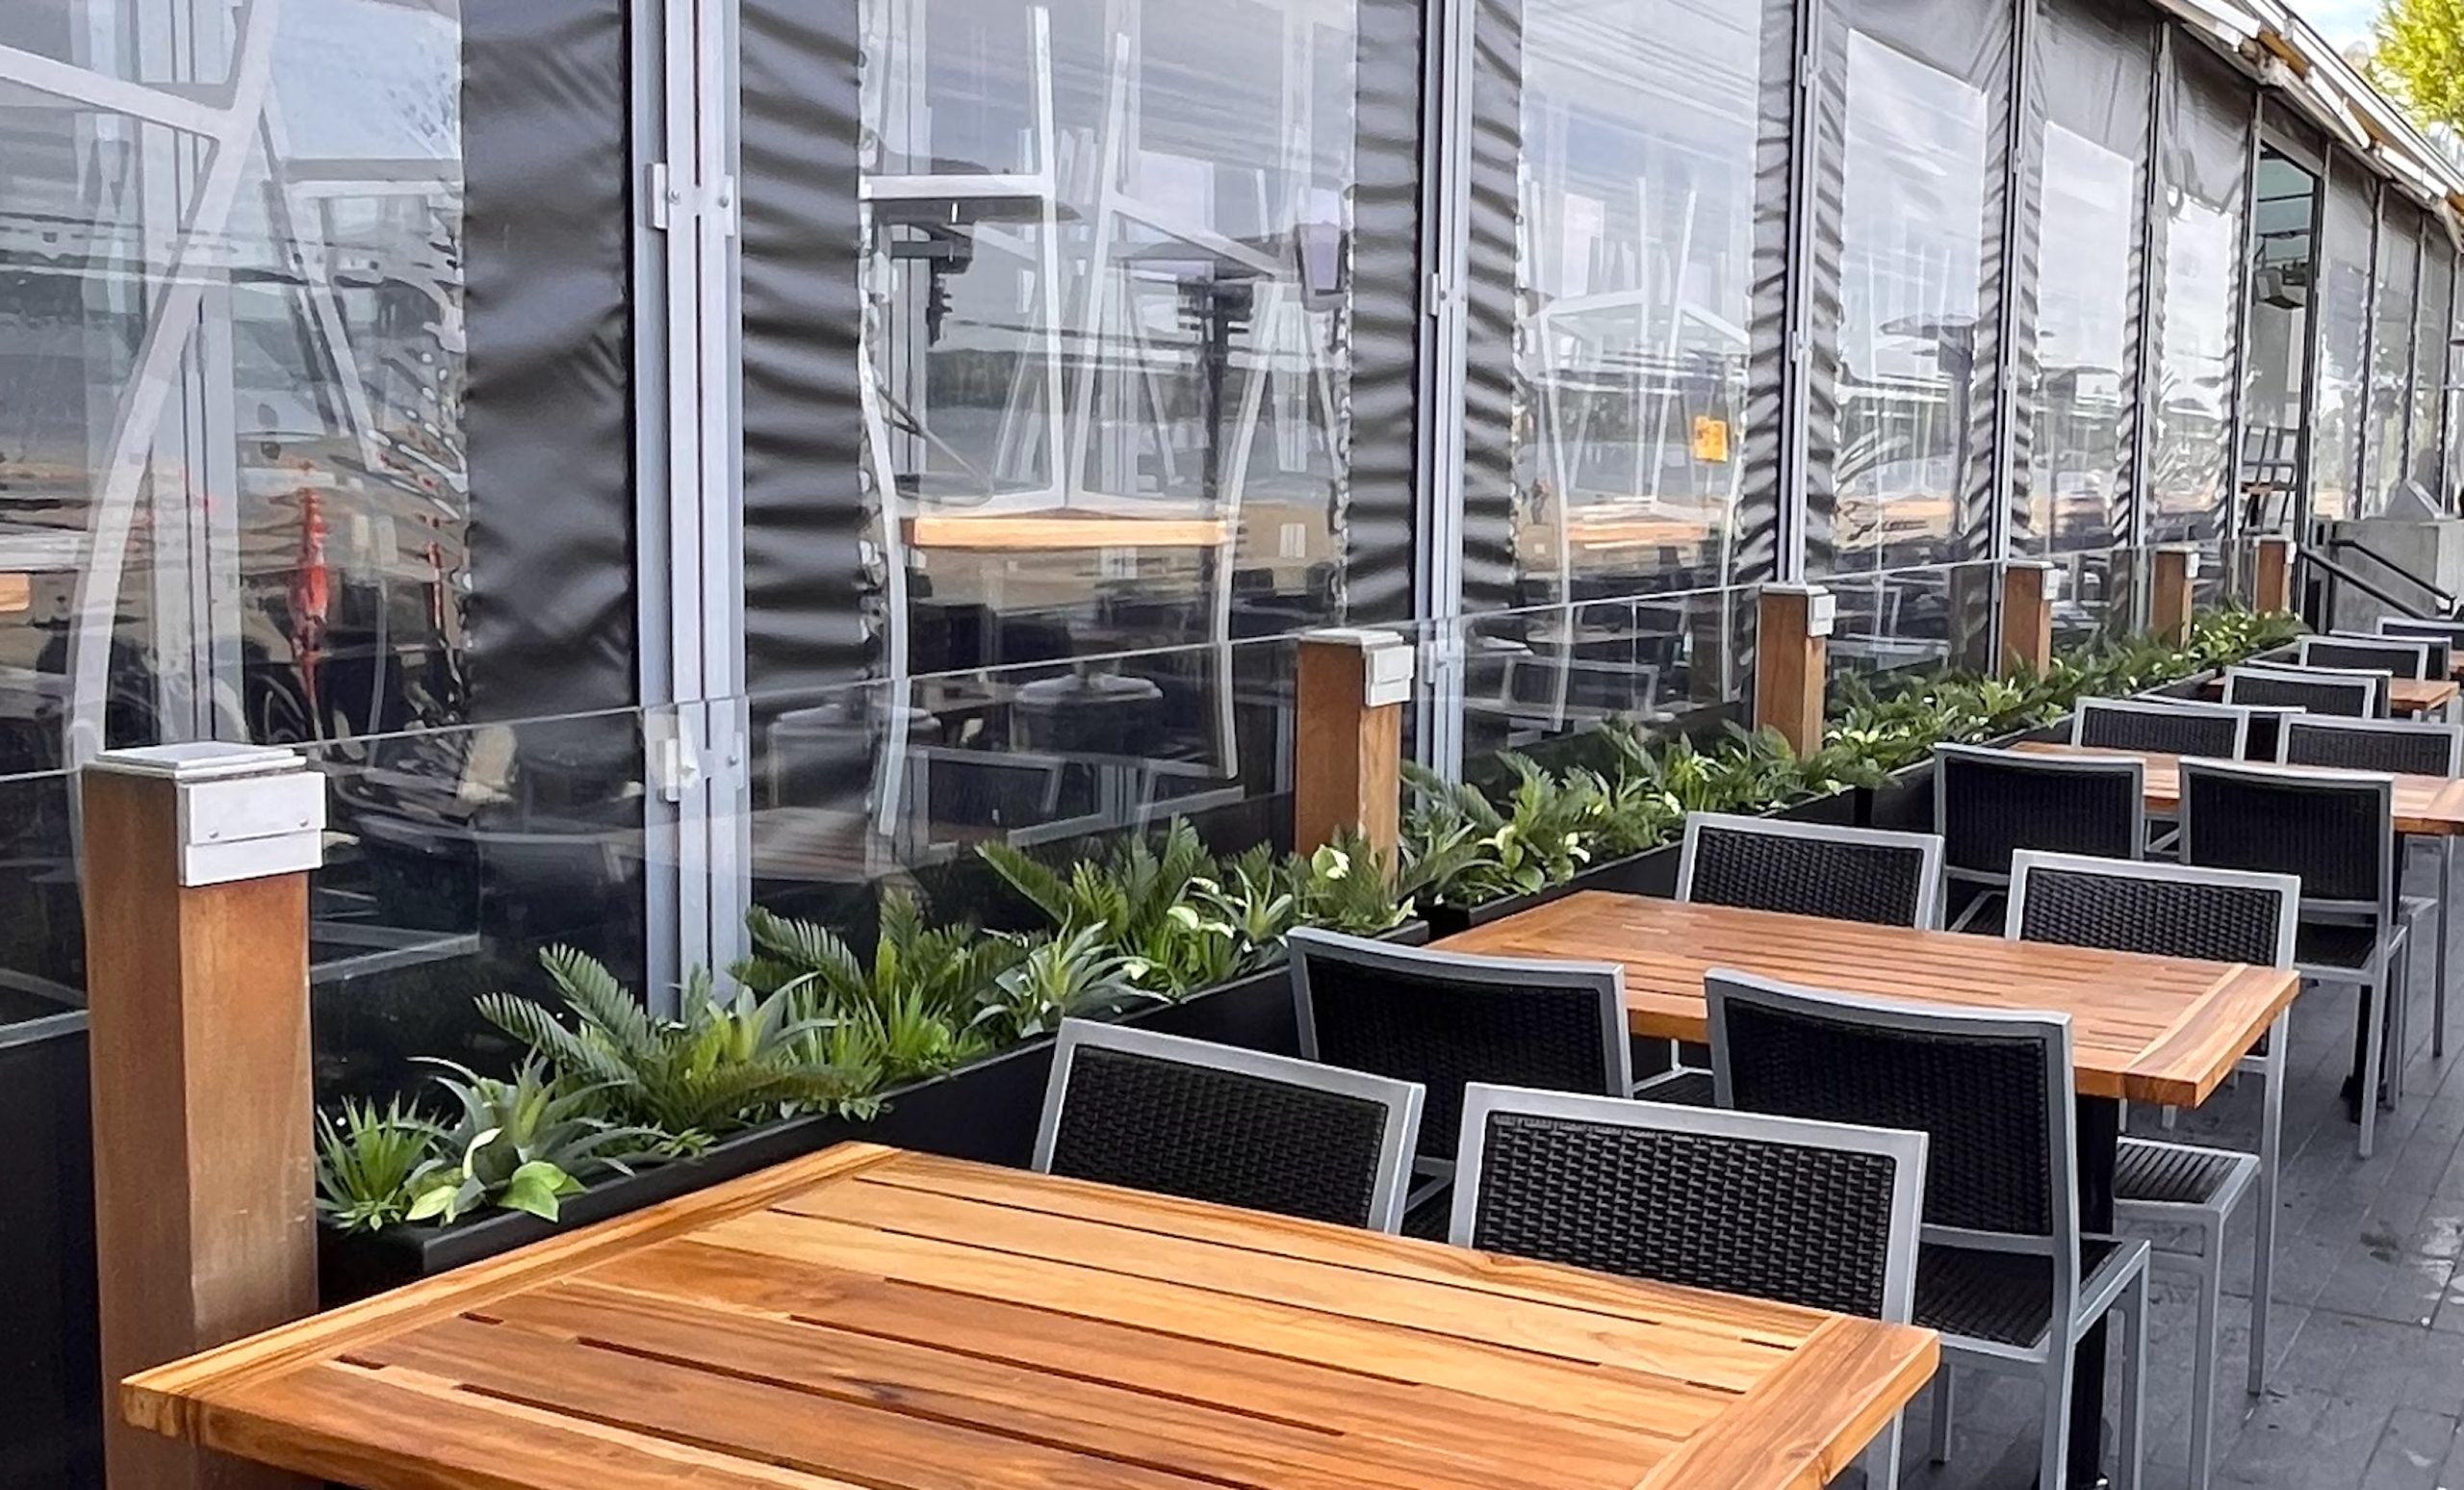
521,1145
908,1011
367,1157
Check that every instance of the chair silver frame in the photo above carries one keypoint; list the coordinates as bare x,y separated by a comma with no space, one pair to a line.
2122,1288
2442,644
2383,974
1401,1099
2087,708
2244,1174
1509,975
1927,845
2446,841
2409,627
2131,766
1904,1148
2375,685
2406,657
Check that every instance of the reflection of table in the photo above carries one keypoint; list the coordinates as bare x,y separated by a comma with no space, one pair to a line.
870,1316
2150,1029
2404,694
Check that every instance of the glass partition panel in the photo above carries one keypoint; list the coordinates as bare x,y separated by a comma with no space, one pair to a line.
2342,369
2078,378
2283,281
1907,284
1673,663
2423,467
2394,310
2202,170
1910,619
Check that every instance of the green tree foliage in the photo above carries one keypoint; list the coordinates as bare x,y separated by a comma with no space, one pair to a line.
2417,57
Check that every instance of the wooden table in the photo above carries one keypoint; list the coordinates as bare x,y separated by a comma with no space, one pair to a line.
2149,1028
2430,807
866,1317
2404,694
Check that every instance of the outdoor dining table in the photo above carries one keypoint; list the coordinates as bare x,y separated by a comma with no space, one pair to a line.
2145,1029
2426,806
871,1317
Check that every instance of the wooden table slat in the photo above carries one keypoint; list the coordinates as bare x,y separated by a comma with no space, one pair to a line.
869,1318
2165,1030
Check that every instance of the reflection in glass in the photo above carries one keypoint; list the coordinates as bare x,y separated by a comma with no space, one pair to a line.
2344,345
2283,273
1915,240
2431,331
2091,205
2393,311
2201,179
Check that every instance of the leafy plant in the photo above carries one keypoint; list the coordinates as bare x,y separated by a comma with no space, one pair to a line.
1149,902
521,1145
1056,980
904,1014
1469,850
727,1062
1347,885
367,1157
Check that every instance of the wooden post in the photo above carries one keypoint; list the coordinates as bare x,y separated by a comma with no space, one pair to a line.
2027,616
197,957
1789,658
2271,586
1347,764
2169,607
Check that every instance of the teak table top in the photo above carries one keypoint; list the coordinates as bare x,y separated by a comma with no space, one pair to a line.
865,1317
2404,694
2150,1029
2427,806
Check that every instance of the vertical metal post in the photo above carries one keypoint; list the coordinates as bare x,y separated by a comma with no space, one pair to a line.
1445,244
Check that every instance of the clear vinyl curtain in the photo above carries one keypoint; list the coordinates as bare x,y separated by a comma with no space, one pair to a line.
2393,309
2341,372
2196,311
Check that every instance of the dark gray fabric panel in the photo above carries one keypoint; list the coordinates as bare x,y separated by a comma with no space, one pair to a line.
1757,519
547,212
1380,503
803,497
1491,399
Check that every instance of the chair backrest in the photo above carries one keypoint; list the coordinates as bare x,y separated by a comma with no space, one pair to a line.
1817,1213
2403,656
2267,728
2216,916
2165,727
2451,633
2336,832
1205,1121
1446,1019
1988,803
2406,747
2355,695
1992,1090
1846,874
2441,645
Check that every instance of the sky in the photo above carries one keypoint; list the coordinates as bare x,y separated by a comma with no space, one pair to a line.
2342,22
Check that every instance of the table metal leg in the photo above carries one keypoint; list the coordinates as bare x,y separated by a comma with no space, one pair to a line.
2099,1133
2446,903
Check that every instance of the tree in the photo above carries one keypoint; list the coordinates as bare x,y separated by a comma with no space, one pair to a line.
2417,57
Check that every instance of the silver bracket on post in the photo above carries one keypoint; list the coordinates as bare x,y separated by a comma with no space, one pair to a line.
246,811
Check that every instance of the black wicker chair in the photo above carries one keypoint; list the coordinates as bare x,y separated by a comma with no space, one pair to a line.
1155,1111
2406,628
1842,874
2353,695
2004,1273
1988,804
1446,1019
2219,916
2167,727
2404,656
2335,833
2405,747
1806,1213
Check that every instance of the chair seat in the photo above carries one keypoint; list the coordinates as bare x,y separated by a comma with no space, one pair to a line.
2334,945
2006,1297
2150,1172
1683,1087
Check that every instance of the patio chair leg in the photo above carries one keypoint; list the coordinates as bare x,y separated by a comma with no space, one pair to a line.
2169,1118
2374,1056
1938,1434
2438,995
2210,1346
2130,1453
2055,1455
2263,1232
1882,1457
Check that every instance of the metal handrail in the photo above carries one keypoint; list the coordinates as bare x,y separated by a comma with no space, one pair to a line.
2341,574
2446,601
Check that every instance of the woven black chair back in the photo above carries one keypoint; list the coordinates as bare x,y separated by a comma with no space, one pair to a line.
2152,913
1201,1133
2400,659
1993,804
2413,752
2318,696
1840,878
1415,1018
1985,1101
1799,1223
2164,731
2334,834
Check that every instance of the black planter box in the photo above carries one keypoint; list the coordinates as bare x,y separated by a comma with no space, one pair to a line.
987,1111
